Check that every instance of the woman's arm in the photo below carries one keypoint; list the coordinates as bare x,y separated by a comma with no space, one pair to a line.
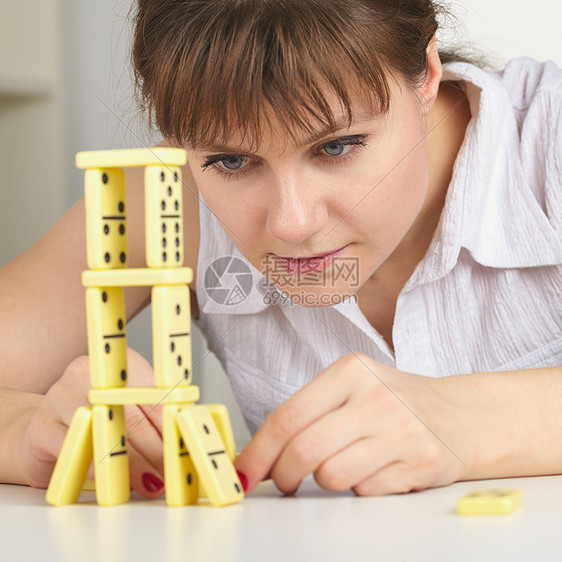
16,410
513,420
43,327
42,308
43,369
363,425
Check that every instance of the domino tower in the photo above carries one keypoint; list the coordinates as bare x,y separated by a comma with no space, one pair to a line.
198,444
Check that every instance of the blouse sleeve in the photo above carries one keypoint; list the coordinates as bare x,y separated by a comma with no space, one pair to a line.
552,100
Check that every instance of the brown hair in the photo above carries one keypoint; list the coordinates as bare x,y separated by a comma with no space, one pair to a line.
204,68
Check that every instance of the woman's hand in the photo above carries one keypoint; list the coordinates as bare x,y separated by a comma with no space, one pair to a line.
47,429
362,425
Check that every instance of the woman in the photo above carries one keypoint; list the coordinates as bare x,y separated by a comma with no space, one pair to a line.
323,139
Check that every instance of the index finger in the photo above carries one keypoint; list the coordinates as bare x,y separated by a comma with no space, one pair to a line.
325,393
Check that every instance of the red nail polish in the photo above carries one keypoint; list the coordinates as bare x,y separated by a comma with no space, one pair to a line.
243,480
151,482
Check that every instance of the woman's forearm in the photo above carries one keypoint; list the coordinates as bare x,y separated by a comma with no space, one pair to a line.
513,420
16,409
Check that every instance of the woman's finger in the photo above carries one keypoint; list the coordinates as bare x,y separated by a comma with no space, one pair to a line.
327,438
356,463
144,437
396,478
328,391
145,478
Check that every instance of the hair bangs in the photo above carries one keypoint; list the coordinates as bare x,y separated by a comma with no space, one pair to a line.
240,67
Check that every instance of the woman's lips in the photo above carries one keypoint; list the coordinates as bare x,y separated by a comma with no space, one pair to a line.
307,265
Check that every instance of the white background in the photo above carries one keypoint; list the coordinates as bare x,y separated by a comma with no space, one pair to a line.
99,112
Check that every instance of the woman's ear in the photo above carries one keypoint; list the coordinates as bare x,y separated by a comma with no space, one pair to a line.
429,88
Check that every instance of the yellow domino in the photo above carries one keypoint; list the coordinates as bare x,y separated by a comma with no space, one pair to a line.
209,455
164,216
74,460
106,220
132,277
219,412
490,502
111,462
137,395
221,418
171,335
179,473
107,338
89,485
131,157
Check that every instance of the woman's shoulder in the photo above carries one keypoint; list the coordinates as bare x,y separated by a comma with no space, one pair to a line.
535,91
527,78
536,94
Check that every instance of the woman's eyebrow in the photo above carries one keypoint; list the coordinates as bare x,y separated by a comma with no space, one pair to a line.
222,149
340,124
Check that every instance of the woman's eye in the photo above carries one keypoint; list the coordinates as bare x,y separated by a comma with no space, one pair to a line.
334,148
341,146
227,163
232,162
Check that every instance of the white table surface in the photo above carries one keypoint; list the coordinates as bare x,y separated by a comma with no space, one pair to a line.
314,525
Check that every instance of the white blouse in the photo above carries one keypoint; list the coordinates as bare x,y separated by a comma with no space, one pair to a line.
487,296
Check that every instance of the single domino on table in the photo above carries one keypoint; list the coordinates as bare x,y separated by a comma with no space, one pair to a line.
490,502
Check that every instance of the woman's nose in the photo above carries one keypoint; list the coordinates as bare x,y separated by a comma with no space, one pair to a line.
296,211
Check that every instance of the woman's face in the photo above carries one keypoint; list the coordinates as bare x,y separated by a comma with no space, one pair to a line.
319,215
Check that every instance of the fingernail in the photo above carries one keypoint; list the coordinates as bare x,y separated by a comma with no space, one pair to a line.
243,480
151,482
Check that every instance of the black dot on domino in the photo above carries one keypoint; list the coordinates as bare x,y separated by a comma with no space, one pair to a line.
164,243
176,205
123,440
215,463
106,229
173,347
104,178
175,176
177,227
170,191
181,443
177,256
121,206
120,324
179,360
104,296
236,487
178,309
110,414
162,176
122,257
107,348
189,478
164,256
163,205
186,374
123,375
163,228
121,229
107,257
206,429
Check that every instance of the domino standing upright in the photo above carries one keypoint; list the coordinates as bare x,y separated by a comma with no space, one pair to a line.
198,442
